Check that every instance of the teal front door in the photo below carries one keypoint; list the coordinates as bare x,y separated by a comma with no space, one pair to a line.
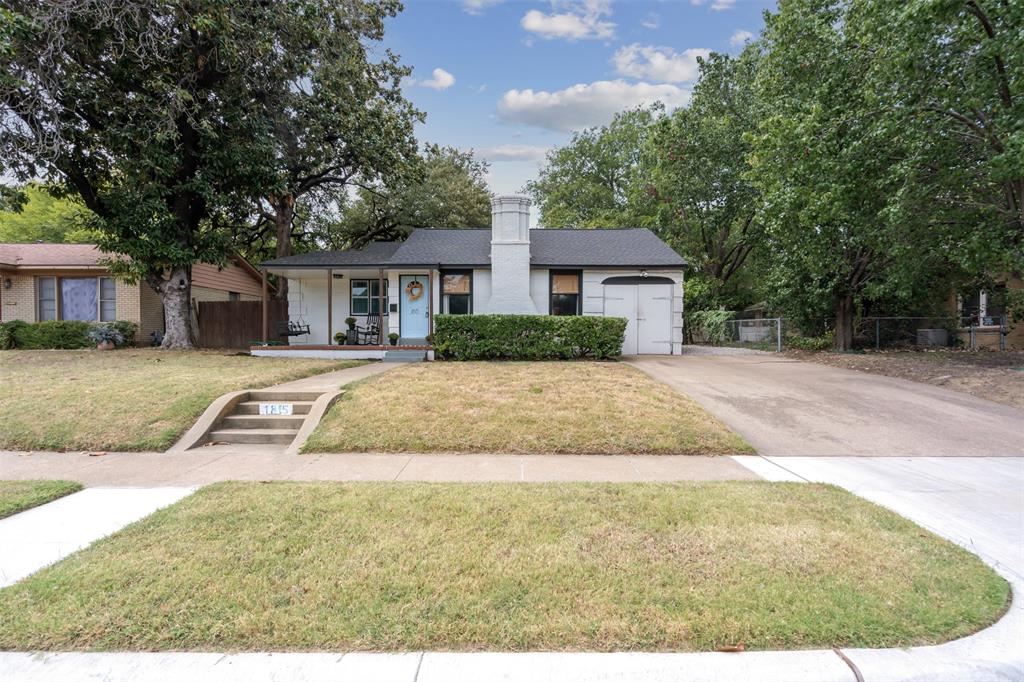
415,309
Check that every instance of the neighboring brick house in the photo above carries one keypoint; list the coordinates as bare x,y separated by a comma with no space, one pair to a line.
67,282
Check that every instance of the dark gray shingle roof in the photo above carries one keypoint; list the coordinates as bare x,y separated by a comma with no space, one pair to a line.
634,247
447,247
375,253
626,247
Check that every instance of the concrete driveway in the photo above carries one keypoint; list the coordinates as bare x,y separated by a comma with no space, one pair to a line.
786,407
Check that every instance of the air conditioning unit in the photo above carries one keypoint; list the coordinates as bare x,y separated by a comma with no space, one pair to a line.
932,337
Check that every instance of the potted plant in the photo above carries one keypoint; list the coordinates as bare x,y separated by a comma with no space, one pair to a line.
393,338
352,338
340,338
105,338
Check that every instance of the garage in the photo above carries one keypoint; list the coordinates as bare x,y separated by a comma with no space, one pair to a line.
646,303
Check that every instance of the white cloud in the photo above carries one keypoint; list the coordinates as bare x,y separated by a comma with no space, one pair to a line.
442,80
579,21
478,6
586,104
740,37
514,152
661,64
719,5
651,21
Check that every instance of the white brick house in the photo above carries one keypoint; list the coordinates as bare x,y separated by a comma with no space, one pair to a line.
508,269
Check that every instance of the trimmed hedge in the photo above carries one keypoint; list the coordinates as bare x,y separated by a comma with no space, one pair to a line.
528,337
58,334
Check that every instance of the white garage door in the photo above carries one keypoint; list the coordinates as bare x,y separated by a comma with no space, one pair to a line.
648,310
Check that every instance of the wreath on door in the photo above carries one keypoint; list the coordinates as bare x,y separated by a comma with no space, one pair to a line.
414,290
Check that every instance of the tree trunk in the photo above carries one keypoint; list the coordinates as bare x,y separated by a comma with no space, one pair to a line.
176,294
284,215
844,322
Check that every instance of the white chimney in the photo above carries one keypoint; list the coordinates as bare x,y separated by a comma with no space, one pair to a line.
510,256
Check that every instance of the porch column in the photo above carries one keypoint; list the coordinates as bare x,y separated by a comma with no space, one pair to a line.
382,296
430,302
264,325
330,306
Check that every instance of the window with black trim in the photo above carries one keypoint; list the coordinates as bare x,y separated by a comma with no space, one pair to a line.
566,292
365,297
457,292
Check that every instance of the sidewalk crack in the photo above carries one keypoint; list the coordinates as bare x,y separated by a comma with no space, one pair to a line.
419,664
847,661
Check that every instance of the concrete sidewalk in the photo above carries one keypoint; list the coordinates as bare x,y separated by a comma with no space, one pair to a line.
43,535
263,463
332,381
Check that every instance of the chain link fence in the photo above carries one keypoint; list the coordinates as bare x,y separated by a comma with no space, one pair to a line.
879,333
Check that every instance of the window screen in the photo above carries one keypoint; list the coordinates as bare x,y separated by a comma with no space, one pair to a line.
46,290
108,302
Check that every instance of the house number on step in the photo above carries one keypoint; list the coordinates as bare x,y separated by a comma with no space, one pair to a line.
275,408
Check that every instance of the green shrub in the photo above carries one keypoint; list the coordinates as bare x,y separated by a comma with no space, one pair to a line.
710,325
527,337
53,334
60,334
812,343
127,330
8,331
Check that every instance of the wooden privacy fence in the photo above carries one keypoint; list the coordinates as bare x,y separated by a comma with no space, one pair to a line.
236,324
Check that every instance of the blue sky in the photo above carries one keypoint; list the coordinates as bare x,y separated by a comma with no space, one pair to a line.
512,78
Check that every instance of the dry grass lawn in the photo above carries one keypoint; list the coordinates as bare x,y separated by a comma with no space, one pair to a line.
17,496
520,407
995,376
514,567
126,399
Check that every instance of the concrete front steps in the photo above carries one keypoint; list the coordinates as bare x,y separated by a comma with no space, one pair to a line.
403,355
246,426
235,419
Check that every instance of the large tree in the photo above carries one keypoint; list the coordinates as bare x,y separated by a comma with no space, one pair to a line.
950,77
344,122
590,182
829,161
696,193
160,115
449,190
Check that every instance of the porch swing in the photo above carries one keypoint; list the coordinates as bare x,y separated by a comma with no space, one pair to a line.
298,327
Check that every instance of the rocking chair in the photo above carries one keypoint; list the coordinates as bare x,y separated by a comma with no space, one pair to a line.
370,333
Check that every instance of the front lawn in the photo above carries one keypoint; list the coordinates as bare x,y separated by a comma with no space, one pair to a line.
17,496
520,407
126,399
510,567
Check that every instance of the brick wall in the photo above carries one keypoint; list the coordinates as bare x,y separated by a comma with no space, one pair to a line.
19,302
151,313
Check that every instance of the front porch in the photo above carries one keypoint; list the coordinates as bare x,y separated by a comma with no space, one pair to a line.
380,303
340,352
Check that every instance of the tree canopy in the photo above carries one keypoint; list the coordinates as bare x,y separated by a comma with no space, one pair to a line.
41,217
161,115
450,190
